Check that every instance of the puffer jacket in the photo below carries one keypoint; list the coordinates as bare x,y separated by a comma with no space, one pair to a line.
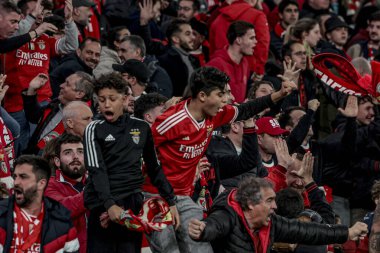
228,231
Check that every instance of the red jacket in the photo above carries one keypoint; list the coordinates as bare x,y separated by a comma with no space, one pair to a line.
63,191
238,73
240,10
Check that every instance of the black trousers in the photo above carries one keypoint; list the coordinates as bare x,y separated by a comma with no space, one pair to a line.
116,238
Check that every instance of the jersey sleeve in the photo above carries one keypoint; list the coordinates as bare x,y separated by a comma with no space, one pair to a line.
53,43
227,115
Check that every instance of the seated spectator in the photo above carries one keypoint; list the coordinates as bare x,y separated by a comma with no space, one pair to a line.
336,35
77,86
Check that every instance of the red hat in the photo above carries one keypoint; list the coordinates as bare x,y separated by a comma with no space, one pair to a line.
269,125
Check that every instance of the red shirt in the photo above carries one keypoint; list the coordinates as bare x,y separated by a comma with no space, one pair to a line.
181,142
23,64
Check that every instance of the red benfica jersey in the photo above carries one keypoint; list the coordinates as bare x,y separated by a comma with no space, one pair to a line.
23,64
181,142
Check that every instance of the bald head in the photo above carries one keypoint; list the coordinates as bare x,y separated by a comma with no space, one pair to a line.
76,116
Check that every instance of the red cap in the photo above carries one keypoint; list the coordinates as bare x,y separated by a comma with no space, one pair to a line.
269,125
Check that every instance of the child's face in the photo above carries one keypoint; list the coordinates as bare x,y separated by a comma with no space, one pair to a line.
111,104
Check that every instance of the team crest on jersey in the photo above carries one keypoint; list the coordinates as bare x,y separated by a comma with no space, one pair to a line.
41,45
209,130
135,135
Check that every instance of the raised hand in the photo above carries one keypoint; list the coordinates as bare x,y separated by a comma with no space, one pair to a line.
68,10
358,231
351,109
290,71
37,11
282,153
146,12
3,88
287,86
306,170
37,82
313,104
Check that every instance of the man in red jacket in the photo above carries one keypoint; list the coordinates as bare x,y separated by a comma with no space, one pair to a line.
232,61
243,10
67,185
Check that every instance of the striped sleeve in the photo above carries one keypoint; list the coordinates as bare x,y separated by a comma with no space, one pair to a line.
96,166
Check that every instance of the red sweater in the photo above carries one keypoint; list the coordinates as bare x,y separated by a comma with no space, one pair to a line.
238,73
63,191
241,10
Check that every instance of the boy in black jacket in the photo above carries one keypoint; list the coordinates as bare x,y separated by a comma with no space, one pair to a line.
114,148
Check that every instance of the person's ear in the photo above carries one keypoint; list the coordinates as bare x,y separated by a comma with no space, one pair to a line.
287,58
70,123
202,96
148,118
57,162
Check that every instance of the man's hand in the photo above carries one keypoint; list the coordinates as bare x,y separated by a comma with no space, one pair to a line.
114,213
202,166
42,28
68,11
249,123
290,71
282,153
287,87
37,82
351,109
146,12
306,170
172,101
3,88
313,104
358,231
196,228
175,216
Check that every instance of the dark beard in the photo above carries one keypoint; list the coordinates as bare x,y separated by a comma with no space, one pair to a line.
29,197
72,174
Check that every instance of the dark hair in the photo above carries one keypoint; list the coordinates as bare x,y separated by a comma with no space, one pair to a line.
84,42
303,25
365,99
8,6
147,102
286,49
111,81
285,119
64,139
238,29
85,84
175,27
285,3
137,42
112,36
225,129
289,203
249,191
256,85
56,20
196,4
207,79
40,166
374,16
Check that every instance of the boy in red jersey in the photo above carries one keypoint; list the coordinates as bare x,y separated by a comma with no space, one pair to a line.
182,134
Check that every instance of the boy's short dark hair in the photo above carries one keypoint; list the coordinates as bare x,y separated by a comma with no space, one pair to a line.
256,85
40,166
238,29
64,139
207,79
147,102
111,81
289,203
287,48
286,3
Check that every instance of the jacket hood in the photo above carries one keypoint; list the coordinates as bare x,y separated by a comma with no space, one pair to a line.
235,10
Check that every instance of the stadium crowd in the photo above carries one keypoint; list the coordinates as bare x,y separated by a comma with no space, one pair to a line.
190,126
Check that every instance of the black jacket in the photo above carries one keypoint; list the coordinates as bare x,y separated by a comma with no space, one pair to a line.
57,228
227,232
40,115
159,77
68,66
113,157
